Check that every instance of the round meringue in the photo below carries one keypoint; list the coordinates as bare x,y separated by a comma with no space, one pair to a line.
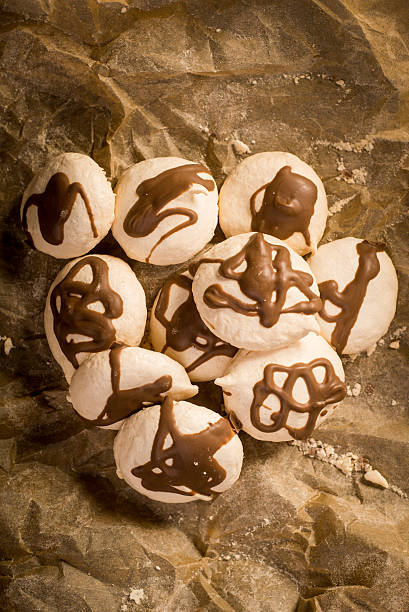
266,297
177,330
111,385
93,302
278,194
283,394
178,452
359,288
68,207
166,210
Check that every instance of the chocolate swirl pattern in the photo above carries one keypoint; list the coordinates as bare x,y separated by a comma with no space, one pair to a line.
189,461
351,298
155,193
287,206
124,402
329,391
185,329
55,206
70,300
265,280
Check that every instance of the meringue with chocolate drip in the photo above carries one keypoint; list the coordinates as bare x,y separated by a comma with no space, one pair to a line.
254,292
275,193
68,206
165,211
178,452
93,302
286,393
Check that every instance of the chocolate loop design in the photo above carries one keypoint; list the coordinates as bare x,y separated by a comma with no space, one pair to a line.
70,300
329,391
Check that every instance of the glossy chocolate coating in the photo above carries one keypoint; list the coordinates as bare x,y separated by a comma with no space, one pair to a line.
329,391
124,402
70,300
351,298
265,280
185,329
287,206
153,195
188,461
55,206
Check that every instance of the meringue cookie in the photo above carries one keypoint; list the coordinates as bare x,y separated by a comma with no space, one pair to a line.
110,386
178,452
68,207
278,194
359,288
93,302
166,210
255,292
177,330
283,394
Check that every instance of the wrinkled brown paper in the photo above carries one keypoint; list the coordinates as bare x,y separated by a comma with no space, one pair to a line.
123,80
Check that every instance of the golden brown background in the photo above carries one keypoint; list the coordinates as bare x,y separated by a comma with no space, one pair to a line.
122,80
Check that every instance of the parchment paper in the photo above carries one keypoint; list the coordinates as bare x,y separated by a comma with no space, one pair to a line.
327,80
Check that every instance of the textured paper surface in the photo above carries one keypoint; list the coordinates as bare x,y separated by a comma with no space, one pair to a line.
327,80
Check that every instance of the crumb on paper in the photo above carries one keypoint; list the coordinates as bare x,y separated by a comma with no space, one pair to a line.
339,205
394,403
340,83
240,148
218,30
157,567
398,333
365,144
7,345
136,595
376,478
395,345
356,390
348,463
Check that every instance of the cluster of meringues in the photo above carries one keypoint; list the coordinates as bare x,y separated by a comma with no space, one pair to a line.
250,313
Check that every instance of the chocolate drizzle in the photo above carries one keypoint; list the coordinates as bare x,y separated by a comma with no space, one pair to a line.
70,300
189,459
287,207
329,391
146,214
264,280
351,298
55,206
186,329
124,402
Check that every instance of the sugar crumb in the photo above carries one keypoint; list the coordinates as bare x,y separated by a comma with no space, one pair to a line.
8,345
240,148
395,345
339,205
348,463
356,390
136,595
